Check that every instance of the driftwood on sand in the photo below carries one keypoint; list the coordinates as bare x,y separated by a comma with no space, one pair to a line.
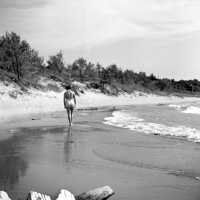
101,193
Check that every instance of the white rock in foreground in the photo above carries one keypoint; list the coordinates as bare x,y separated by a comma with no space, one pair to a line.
37,196
65,195
4,196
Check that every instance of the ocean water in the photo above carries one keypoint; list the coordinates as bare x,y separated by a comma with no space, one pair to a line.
176,120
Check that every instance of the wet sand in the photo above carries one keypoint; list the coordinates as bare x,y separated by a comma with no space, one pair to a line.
41,153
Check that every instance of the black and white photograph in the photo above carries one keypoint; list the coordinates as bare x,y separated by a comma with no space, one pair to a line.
99,99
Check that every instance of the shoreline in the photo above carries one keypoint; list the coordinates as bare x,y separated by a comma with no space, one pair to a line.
44,103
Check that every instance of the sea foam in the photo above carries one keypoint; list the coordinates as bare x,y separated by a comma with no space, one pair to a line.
192,110
186,108
124,119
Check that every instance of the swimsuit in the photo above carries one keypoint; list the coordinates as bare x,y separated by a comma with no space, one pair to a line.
69,103
69,100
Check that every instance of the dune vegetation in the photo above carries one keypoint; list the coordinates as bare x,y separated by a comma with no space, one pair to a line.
22,65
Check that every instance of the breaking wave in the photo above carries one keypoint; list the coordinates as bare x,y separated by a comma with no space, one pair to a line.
190,109
124,119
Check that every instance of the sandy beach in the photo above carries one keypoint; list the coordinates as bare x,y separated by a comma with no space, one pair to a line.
128,71
40,153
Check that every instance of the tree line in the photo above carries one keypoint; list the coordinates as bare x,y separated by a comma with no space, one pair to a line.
23,64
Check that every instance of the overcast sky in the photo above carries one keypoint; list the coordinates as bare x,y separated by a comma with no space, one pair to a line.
155,36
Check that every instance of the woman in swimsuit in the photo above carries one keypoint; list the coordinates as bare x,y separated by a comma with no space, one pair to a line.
69,102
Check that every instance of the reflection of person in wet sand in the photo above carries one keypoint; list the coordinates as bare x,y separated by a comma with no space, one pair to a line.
69,102
68,145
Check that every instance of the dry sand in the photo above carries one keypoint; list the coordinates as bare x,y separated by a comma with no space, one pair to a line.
43,156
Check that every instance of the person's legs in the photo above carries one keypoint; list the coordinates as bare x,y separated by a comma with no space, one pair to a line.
68,115
71,112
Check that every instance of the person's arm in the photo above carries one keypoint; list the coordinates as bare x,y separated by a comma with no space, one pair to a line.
64,101
74,98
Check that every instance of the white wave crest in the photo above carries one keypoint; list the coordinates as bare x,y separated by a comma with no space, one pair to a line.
190,109
125,120
180,107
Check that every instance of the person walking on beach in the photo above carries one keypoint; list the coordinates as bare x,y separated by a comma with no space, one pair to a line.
69,102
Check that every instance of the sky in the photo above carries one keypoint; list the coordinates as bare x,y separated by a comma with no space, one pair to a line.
153,36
